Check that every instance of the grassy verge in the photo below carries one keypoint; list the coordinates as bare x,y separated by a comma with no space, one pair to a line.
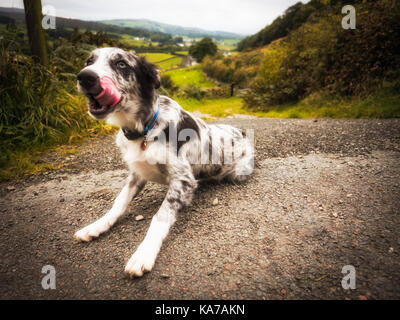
383,105
20,163
215,107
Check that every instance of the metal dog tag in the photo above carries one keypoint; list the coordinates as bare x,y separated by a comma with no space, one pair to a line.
143,145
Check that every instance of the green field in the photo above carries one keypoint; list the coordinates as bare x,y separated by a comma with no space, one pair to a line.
170,63
191,75
156,57
164,61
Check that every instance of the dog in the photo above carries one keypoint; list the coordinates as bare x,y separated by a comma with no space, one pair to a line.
159,141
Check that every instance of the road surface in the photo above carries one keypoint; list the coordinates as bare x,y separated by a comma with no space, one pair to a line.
324,194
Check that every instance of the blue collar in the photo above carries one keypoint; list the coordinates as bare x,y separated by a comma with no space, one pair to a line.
151,123
134,134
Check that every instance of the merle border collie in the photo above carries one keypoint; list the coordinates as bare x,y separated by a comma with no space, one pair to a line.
159,141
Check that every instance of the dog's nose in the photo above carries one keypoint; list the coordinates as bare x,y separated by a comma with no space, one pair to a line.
88,79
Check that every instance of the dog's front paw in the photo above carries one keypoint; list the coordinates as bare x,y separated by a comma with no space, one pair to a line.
141,261
91,231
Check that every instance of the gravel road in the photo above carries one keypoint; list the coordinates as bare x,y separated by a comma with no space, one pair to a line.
324,194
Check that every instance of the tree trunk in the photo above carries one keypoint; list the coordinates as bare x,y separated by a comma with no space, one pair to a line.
36,34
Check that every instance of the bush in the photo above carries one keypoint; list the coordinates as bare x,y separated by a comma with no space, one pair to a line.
192,91
239,69
67,59
167,84
218,92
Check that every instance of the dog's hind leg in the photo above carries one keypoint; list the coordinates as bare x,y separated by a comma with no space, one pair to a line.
132,187
180,191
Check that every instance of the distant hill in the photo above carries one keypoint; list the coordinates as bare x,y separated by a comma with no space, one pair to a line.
19,16
172,29
135,27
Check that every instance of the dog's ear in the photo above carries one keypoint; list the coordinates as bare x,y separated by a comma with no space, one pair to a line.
146,72
151,72
158,82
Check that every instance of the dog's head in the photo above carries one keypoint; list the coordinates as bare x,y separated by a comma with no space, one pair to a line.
118,82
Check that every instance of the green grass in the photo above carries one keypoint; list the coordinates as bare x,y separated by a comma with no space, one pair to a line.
214,107
190,76
185,53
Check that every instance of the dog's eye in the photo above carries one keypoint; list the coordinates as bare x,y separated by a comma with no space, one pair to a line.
89,61
121,64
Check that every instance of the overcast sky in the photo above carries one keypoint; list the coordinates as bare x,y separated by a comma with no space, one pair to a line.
240,16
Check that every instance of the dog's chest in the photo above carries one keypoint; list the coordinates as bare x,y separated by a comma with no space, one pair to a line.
136,159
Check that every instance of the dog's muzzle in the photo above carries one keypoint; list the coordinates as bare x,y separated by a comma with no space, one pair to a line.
102,93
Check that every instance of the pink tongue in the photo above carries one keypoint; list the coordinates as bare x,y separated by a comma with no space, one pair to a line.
110,95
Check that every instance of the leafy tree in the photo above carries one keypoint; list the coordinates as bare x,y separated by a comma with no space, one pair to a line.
203,48
178,40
